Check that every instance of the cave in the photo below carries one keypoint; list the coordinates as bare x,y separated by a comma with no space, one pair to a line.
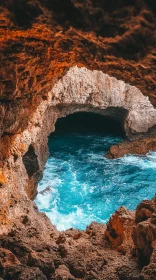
87,122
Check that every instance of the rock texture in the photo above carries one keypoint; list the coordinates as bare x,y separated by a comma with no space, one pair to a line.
46,37
59,57
42,39
145,232
120,228
27,254
83,87
138,147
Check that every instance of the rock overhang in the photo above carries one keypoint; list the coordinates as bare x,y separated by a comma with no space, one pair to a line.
81,86
121,46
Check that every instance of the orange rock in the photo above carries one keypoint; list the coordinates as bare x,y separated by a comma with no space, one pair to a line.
119,228
2,179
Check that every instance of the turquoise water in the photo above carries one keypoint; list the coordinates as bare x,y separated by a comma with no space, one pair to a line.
84,186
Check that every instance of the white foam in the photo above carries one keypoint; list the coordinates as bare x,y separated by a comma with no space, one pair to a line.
66,221
152,156
43,201
145,162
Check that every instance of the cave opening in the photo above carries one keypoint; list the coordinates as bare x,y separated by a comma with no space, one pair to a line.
87,122
80,185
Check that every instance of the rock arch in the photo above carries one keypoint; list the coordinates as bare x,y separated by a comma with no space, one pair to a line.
81,86
82,90
79,90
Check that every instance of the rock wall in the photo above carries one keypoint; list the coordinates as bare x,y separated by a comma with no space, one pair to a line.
59,57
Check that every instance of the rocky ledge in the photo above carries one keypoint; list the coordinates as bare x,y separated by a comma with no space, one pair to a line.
137,147
59,57
125,248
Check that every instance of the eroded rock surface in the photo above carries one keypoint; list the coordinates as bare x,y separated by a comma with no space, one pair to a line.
59,57
144,235
88,254
42,39
120,228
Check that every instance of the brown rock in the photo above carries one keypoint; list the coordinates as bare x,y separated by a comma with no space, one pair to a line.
7,258
42,260
40,41
144,234
145,210
30,273
63,273
139,147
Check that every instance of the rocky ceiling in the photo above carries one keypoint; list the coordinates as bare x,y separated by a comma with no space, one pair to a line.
41,39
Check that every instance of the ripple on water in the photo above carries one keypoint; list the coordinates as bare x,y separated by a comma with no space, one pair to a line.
85,186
